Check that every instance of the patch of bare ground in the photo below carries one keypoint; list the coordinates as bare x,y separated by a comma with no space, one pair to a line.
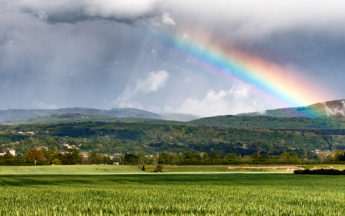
326,167
287,168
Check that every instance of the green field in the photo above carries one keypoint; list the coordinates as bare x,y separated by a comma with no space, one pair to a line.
172,194
124,169
69,170
191,168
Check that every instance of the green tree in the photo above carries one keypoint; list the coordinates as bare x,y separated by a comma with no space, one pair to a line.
35,155
255,156
231,157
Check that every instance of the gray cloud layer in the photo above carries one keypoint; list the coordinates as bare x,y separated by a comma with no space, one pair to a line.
90,56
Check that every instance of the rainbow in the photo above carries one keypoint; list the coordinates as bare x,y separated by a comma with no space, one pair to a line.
272,83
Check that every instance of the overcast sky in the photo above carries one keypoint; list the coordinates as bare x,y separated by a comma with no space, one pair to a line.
107,54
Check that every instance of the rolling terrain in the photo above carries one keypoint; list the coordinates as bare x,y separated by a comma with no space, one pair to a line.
259,122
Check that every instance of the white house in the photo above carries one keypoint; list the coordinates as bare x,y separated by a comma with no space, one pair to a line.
2,153
12,152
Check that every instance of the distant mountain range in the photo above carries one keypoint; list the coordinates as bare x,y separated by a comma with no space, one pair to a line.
328,115
22,114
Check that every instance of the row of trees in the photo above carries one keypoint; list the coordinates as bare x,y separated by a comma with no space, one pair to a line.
213,158
73,156
41,157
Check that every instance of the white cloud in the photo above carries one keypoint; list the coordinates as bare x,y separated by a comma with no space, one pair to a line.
166,19
153,82
236,100
41,105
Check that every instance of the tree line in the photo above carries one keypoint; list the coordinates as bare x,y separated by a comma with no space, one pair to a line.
37,156
212,158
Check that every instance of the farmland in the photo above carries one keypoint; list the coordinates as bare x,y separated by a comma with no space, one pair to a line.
68,170
212,194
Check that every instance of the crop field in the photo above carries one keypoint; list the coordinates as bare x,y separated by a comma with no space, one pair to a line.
69,170
172,194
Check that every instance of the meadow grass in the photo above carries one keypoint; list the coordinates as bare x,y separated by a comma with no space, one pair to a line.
172,194
189,168
69,170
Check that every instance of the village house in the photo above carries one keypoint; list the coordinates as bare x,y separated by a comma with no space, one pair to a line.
13,152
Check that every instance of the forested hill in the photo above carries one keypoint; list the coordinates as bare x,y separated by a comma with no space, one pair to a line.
330,109
263,122
22,114
113,138
267,122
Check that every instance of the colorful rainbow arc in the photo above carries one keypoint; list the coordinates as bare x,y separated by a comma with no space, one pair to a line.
273,83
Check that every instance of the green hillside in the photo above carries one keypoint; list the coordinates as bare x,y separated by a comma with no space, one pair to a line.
263,122
269,122
110,138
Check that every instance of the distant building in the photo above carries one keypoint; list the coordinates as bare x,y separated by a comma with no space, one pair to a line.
85,155
69,147
62,152
2,153
43,148
12,152
111,157
30,132
317,151
65,144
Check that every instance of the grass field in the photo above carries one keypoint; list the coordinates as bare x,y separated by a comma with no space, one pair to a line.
69,170
169,168
122,169
172,194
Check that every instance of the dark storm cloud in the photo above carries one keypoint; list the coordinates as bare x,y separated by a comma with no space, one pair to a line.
66,11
